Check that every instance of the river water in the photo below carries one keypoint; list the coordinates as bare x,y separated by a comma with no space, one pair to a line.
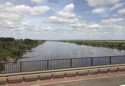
60,50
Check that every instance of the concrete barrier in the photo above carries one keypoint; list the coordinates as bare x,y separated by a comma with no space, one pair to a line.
121,68
71,73
15,79
44,76
3,80
93,71
113,69
32,77
83,72
103,70
59,75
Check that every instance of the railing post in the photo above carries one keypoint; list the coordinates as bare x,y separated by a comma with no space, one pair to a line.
91,61
70,63
110,60
47,64
21,66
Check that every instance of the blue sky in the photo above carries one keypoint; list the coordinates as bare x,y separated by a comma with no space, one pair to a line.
63,19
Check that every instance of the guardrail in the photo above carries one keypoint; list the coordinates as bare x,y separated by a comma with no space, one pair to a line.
41,65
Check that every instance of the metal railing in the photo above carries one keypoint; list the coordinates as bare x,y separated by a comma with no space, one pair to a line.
40,65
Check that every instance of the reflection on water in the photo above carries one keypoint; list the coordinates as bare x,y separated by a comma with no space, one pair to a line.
59,50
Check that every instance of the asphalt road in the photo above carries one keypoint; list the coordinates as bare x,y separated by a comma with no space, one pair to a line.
110,81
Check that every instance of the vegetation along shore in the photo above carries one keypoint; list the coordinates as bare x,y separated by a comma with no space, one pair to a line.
118,44
11,48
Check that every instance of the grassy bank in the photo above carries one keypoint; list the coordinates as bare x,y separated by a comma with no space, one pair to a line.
118,44
11,48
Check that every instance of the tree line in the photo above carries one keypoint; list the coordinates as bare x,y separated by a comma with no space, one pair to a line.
118,44
15,48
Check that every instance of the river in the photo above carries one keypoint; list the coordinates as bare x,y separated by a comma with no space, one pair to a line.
60,50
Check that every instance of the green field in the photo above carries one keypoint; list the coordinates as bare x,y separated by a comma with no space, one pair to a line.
118,44
11,48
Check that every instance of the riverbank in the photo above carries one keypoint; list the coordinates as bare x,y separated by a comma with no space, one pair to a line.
118,44
13,49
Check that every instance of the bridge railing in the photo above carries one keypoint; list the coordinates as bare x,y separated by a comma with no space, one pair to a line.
41,65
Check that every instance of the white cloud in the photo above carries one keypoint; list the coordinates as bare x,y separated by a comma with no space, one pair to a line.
116,6
23,9
99,10
39,10
67,12
94,26
101,2
19,25
56,19
69,7
79,25
36,10
112,27
112,24
85,25
113,20
38,1
121,11
11,16
66,15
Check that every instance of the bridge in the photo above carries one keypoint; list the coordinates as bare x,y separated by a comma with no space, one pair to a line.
41,71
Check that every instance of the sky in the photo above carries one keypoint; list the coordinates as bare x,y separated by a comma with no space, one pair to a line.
63,19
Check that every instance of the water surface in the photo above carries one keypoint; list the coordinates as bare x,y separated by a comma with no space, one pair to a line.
60,50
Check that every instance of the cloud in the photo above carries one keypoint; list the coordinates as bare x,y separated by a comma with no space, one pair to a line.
39,10
68,8
38,1
10,16
56,19
101,2
67,12
79,25
85,25
113,20
113,24
19,25
117,6
99,10
36,10
94,26
121,11
23,9
66,15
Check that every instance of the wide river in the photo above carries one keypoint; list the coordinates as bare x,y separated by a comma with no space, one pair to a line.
59,50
